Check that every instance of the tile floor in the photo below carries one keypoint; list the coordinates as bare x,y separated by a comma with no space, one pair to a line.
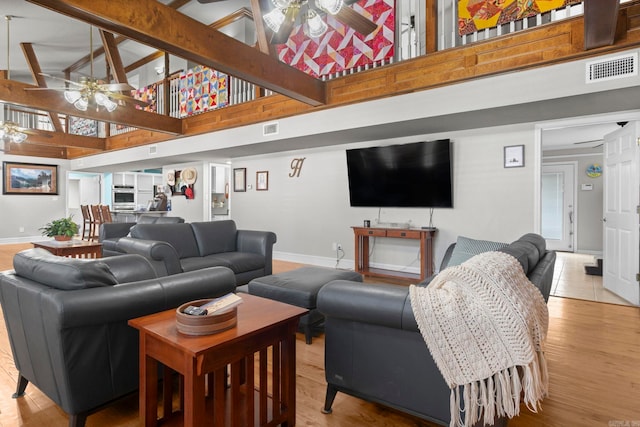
570,280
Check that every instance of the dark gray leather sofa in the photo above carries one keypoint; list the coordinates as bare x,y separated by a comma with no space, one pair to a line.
111,232
67,322
174,248
374,350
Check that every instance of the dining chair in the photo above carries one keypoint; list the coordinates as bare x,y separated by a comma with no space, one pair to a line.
87,222
97,220
105,214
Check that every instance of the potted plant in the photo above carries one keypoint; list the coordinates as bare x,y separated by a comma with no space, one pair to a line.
60,229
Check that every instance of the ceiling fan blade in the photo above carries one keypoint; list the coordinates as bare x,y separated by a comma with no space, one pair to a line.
287,26
353,19
47,88
128,99
116,87
61,79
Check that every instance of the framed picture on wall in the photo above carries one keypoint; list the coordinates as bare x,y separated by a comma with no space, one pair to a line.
514,156
262,181
29,178
240,179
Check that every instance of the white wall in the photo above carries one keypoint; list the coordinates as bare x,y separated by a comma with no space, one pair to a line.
29,213
312,212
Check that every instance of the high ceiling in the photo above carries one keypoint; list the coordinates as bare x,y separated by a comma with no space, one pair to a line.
60,41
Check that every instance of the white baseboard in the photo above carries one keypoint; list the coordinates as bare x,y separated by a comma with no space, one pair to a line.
344,264
28,239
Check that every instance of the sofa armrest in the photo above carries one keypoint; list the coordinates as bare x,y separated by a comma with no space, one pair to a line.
258,242
374,303
162,255
111,230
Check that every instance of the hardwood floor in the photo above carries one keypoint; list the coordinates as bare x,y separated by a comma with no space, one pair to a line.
593,354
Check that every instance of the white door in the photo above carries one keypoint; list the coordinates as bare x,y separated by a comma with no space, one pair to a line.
621,199
558,213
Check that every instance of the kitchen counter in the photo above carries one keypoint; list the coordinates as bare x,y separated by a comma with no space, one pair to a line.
132,216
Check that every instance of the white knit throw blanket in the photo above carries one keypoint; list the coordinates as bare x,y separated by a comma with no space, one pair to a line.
484,323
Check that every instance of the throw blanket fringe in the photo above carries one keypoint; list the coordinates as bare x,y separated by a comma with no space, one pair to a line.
484,323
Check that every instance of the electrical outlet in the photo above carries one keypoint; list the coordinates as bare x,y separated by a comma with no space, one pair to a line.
334,246
21,229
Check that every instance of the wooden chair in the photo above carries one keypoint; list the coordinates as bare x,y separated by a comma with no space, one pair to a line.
87,222
97,220
105,214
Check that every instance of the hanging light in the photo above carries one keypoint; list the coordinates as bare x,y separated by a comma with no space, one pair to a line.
314,26
330,6
9,131
90,91
274,19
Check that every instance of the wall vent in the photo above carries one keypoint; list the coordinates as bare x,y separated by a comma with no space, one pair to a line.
270,129
612,68
153,149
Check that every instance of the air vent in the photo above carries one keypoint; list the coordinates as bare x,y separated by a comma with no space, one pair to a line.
270,129
612,68
153,149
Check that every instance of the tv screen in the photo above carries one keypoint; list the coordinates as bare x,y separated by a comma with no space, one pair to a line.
407,175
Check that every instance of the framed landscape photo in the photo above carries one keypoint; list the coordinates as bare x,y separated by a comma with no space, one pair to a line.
514,156
262,181
240,179
29,178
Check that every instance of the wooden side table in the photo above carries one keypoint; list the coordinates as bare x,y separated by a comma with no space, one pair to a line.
71,248
264,337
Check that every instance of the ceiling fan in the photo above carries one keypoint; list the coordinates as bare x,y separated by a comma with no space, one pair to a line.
283,17
89,91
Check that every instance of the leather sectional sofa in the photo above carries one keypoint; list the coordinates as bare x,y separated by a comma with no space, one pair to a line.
67,322
111,232
374,349
175,248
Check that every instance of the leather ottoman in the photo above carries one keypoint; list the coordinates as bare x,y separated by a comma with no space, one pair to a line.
300,288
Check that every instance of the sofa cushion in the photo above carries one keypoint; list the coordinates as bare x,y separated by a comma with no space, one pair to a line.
200,262
180,236
62,273
215,236
240,261
467,248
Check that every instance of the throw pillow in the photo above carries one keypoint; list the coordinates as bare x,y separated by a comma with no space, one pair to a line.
467,248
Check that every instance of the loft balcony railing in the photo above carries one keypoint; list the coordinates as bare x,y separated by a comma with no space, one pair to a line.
410,42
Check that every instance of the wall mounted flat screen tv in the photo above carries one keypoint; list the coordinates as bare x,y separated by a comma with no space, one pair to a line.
415,175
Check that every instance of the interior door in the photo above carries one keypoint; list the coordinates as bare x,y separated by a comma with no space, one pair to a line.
621,199
558,201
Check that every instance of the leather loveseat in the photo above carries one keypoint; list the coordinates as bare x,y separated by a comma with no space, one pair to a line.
175,248
374,349
67,322
111,232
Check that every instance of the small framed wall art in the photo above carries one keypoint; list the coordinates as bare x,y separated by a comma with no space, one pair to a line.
240,179
514,156
262,180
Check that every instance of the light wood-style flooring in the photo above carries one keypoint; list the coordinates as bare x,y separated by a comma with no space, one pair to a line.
593,354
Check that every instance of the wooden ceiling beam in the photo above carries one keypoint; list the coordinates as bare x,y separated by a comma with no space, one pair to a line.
261,31
168,30
14,92
35,150
57,139
113,56
36,73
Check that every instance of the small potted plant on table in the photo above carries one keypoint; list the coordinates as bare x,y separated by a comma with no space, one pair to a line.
60,229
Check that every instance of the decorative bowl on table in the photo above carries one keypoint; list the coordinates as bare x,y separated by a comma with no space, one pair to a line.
189,324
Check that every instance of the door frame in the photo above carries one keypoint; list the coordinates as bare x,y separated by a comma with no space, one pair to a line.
574,203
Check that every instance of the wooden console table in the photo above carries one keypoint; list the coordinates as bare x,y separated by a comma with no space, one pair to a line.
425,236
252,392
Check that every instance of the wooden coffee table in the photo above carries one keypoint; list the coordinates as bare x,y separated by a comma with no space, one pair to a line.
224,363
71,248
